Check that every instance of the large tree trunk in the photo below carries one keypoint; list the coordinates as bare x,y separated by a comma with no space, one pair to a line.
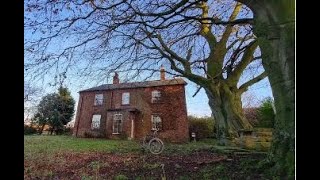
227,110
275,27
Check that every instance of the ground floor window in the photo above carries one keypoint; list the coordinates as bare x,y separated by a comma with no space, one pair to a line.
156,122
95,124
117,123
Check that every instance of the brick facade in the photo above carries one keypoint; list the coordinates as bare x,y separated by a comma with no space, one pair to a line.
136,117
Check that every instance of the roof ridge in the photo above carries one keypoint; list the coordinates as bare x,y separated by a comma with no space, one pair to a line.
176,81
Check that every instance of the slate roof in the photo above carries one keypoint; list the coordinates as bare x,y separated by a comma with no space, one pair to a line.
170,82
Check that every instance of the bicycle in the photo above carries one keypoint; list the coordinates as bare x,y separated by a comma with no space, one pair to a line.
153,143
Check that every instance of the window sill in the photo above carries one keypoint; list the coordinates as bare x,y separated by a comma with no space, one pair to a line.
115,133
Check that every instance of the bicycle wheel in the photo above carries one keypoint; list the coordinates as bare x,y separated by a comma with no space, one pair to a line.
156,146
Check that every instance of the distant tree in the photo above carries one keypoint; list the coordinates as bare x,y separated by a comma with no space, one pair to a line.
56,110
30,92
40,121
66,108
266,115
251,114
32,95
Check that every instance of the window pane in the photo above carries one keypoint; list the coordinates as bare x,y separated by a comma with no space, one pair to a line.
156,95
96,121
125,98
98,100
156,122
117,123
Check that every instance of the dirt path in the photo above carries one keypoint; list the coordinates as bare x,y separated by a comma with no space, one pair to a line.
136,166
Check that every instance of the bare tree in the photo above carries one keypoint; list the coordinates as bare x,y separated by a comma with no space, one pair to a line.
30,93
31,96
202,41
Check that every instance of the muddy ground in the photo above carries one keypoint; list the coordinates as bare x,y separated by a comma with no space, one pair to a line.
98,165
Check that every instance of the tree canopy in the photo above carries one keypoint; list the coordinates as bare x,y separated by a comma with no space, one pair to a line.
56,109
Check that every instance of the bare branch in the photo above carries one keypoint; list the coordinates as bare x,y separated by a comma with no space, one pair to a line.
244,86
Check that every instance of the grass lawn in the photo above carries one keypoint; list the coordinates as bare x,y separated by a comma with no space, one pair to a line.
66,157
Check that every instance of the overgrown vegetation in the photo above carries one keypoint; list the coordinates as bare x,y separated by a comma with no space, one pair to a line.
262,116
29,130
266,114
203,127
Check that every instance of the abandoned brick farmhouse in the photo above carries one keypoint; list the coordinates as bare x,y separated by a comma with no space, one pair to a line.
132,110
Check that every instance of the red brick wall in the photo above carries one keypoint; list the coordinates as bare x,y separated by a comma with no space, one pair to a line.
172,110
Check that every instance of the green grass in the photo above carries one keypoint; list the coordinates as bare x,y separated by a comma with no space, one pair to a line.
46,144
35,144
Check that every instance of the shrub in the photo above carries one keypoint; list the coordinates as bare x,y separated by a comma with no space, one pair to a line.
93,134
67,131
203,127
266,114
29,130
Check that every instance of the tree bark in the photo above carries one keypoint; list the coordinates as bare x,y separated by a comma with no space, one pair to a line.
275,28
226,107
41,129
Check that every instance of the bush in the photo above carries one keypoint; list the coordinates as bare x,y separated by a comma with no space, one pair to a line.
68,131
266,115
203,127
93,134
29,130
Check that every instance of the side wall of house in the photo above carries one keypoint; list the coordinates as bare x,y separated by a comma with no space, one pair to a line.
172,110
86,109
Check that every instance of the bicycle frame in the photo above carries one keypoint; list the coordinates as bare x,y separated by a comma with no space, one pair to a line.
153,143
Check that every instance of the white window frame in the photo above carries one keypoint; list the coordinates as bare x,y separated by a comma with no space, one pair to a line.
154,125
95,121
125,100
155,96
98,99
117,128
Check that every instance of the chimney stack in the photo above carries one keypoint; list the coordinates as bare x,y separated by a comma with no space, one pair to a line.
162,73
116,78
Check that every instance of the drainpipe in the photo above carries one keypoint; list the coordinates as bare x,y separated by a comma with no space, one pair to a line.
132,127
111,99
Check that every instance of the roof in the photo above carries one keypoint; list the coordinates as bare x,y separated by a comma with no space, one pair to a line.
176,81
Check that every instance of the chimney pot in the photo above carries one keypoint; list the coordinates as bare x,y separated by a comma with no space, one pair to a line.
162,73
116,78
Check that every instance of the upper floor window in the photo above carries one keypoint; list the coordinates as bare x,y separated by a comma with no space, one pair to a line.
117,124
125,98
156,122
95,124
98,99
156,96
